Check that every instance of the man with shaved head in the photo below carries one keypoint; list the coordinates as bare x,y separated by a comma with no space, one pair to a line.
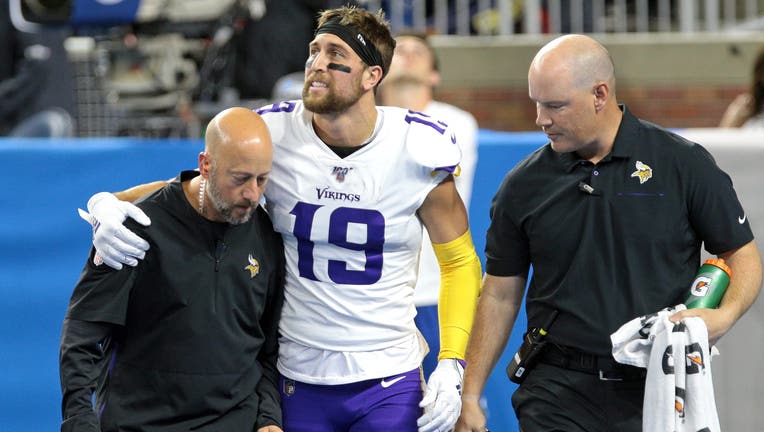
611,214
187,339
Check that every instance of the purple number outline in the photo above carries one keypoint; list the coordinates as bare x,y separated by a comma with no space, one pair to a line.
422,118
285,106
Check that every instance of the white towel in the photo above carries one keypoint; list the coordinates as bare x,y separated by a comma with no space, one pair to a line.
679,391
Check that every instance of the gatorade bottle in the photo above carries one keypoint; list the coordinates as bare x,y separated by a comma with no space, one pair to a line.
710,283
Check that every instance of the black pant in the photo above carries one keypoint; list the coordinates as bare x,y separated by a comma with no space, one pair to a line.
553,399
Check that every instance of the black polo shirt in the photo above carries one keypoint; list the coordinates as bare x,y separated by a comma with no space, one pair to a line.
195,326
614,240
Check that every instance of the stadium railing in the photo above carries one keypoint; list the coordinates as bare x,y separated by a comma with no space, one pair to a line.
506,17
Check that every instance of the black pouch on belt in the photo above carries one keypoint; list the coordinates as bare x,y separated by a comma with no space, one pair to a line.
526,357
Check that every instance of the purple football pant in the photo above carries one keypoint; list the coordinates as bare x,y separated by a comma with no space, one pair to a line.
378,405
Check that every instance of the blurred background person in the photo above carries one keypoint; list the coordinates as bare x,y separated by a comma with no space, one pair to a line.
273,45
36,90
747,110
410,83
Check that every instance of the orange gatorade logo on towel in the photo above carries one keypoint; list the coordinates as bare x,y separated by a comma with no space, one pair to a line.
679,401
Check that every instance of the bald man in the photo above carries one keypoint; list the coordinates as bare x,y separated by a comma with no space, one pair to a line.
611,214
187,339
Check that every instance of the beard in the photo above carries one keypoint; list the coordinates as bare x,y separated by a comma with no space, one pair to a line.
331,102
222,206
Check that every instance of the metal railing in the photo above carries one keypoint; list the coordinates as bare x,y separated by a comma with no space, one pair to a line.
506,17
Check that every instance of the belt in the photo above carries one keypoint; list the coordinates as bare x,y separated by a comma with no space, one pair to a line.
604,366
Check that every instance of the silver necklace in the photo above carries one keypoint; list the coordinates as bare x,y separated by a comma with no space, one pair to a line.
202,183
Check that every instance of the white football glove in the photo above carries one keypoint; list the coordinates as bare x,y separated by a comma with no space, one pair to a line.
115,245
442,400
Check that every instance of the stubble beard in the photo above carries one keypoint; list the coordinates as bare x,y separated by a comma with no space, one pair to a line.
225,209
330,103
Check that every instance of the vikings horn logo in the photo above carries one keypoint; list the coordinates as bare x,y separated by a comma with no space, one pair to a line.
253,267
643,172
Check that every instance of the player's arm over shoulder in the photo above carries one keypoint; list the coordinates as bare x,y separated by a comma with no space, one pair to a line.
132,194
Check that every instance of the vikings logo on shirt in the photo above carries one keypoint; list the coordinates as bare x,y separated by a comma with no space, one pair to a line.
643,172
253,267
340,172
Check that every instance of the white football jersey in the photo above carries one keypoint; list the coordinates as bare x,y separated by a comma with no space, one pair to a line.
350,228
